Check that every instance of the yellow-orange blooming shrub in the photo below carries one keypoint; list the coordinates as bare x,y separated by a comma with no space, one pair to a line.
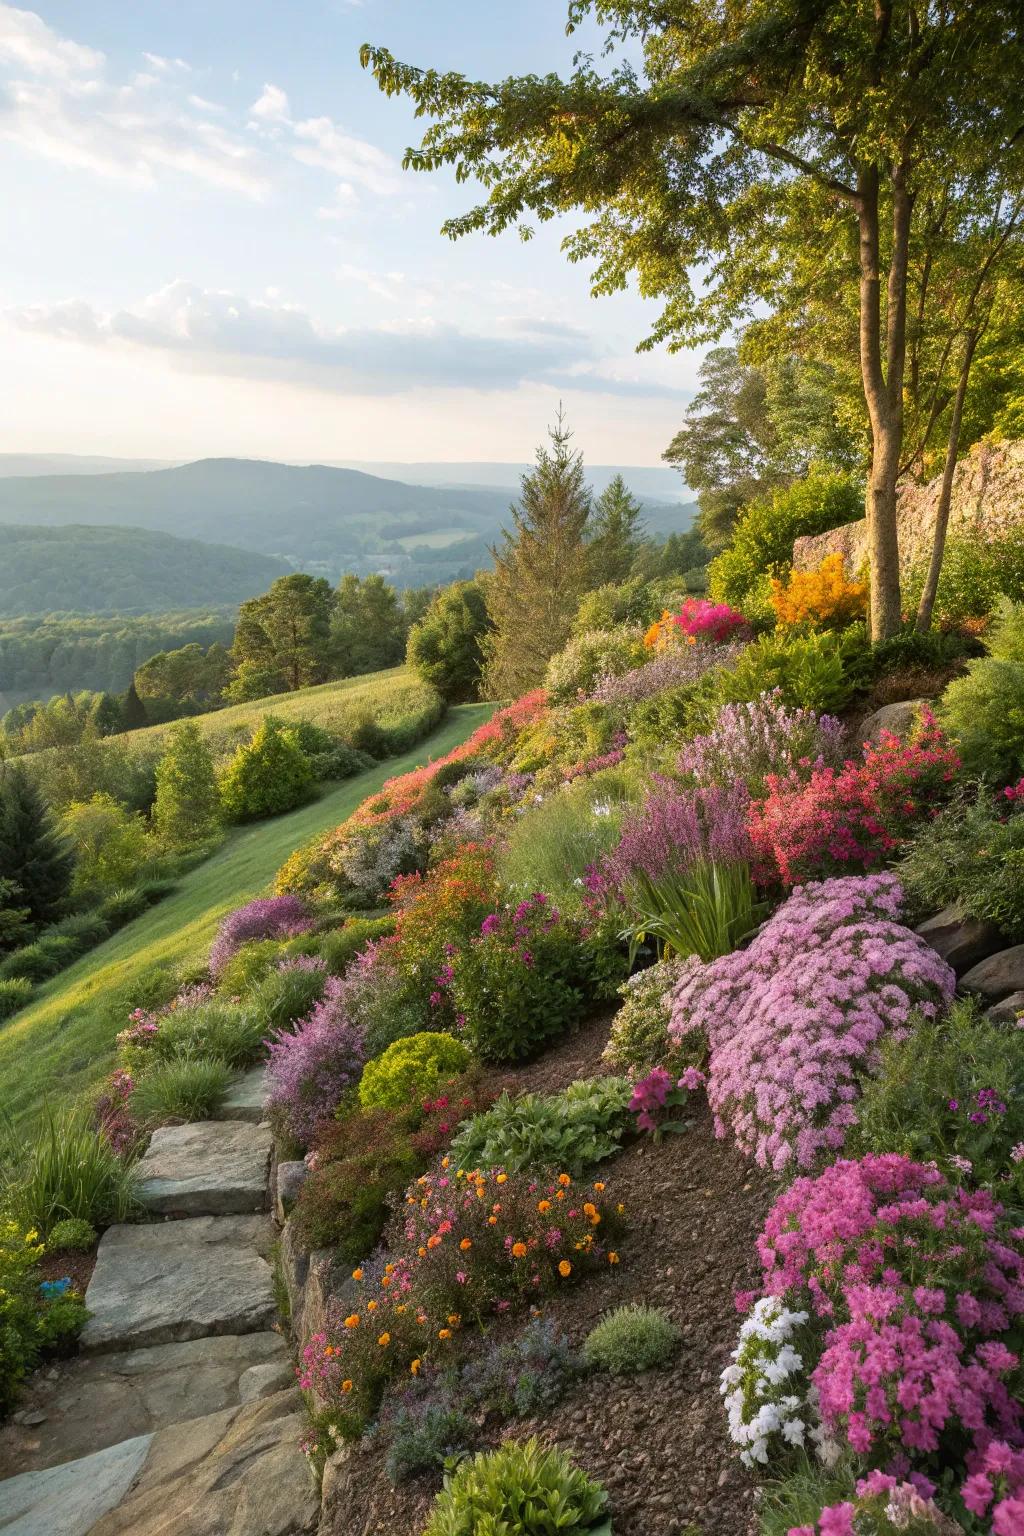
821,597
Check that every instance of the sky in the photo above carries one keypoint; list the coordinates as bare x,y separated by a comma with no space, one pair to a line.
210,246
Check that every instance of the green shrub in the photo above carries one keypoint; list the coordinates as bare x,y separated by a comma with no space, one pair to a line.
110,843
762,541
411,1069
984,711
820,671
231,1033
85,929
706,910
186,1088
364,1164
961,1060
424,1436
40,960
635,602
971,856
247,967
588,657
639,1038
1005,639
282,997
122,906
551,846
73,1234
341,945
975,575
156,888
68,1170
521,1488
31,1324
563,1132
269,775
15,992
631,1339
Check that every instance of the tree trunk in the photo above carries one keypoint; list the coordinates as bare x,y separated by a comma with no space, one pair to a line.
926,606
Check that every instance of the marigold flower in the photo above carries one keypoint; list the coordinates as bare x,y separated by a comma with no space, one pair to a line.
421,1251
502,1178
454,1319
433,1241
371,1306
357,1274
613,1258
466,1244
518,1250
492,1221
444,1333
415,1366
589,1209
384,1340
543,1205
346,1385
599,1186
564,1179
564,1268
352,1321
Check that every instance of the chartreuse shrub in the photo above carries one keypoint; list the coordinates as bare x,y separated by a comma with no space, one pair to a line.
34,1319
267,776
588,657
631,1339
15,992
819,670
246,968
411,1069
73,1234
972,856
186,1088
984,711
523,1488
573,1130
952,1093
67,1170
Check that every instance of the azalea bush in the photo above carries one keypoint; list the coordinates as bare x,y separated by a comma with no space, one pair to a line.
817,824
822,597
763,737
793,1019
698,619
311,1070
274,917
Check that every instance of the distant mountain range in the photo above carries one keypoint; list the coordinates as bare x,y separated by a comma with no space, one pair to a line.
317,518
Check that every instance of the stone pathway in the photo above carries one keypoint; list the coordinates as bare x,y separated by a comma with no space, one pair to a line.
179,1414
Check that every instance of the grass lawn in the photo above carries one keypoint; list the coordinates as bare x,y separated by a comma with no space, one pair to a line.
63,1043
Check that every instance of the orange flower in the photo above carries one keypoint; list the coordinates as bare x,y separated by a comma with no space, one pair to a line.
385,1279
519,1250
433,1241
589,1209
466,1244
444,1333
564,1180
421,1251
565,1269
357,1274
543,1205
352,1321
492,1221
599,1186
560,1194
384,1340
371,1306
415,1366
346,1386
454,1319
502,1178
330,1350
613,1258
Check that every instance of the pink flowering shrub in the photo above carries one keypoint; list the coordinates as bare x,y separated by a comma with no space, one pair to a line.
698,619
655,1097
817,824
273,917
112,1113
918,1290
764,737
794,1018
883,1504
678,827
310,1072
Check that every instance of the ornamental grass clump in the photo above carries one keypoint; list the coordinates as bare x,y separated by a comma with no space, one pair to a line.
272,917
764,736
631,1339
795,1018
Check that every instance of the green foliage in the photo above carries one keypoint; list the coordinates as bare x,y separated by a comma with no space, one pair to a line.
110,844
984,714
907,1105
976,574
364,1164
411,1069
639,1038
444,648
423,1440
819,671
589,656
614,533
368,627
29,1324
283,997
187,805
706,910
187,680
563,1132
67,1170
339,946
550,847
38,961
762,542
185,1088
32,853
522,1488
798,1499
268,776
970,856
226,1031
73,1234
513,1008
121,906
637,602
246,968
15,992
540,570
282,638
631,1339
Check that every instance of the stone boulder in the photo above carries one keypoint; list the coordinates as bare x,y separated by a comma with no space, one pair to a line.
69,1499
1008,1010
961,940
289,1181
998,976
900,718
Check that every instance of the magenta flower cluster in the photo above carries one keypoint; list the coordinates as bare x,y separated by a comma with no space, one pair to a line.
519,927
918,1286
310,1071
795,1017
750,741
678,827
701,619
675,668
270,917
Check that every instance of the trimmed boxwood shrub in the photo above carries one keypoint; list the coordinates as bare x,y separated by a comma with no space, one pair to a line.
411,1070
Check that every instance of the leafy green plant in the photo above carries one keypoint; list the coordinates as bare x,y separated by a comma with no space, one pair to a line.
522,1488
39,960
971,856
762,542
32,1323
589,656
984,714
411,1069
424,1437
339,946
15,993
286,995
639,1037
73,1234
269,775
186,1088
227,1031
705,910
570,1130
121,906
551,846
67,1170
246,968
631,1339
820,670
364,1163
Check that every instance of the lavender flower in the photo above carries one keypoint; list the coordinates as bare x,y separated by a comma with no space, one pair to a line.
274,917
309,1072
750,741
677,828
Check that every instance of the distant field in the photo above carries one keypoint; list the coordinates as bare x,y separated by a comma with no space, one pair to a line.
440,539
63,1044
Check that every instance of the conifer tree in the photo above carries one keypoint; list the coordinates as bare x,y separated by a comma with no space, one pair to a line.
540,571
32,852
133,711
187,805
615,533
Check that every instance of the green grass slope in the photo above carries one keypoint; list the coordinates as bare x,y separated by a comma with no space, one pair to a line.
63,1044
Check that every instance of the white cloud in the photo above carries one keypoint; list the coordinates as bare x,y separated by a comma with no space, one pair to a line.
166,66
272,105
326,145
218,331
28,43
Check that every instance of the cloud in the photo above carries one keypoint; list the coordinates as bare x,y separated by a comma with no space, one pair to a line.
29,44
326,145
272,106
166,66
216,331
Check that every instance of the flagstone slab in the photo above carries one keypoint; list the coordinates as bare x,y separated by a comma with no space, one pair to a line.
88,1403
69,1499
246,1098
206,1168
165,1282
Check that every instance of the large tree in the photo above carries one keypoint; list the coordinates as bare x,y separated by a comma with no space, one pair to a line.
187,805
445,646
541,569
33,854
752,130
615,533
369,627
283,638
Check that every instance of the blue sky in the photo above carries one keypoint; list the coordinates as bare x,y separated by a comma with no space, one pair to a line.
211,247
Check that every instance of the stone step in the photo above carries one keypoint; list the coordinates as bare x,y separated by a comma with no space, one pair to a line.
165,1282
246,1097
206,1168
95,1401
237,1471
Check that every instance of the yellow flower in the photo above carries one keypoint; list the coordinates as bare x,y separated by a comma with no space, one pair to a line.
444,1162
466,1244
400,1308
371,1306
613,1258
454,1319
346,1386
492,1221
444,1333
384,1340
518,1250
415,1367
620,1207
565,1269
543,1205
352,1321
31,1237
502,1178
357,1274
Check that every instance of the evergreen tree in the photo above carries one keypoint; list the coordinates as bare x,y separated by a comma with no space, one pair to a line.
133,711
444,647
105,715
615,533
187,804
15,927
369,628
284,637
32,852
540,571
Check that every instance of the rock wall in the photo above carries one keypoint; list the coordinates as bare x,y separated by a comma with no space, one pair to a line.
988,500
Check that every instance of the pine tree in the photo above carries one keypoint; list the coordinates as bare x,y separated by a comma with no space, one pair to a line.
540,571
368,631
187,805
133,711
32,852
615,533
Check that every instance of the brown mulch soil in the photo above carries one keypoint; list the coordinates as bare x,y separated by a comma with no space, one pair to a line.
54,1266
656,1441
